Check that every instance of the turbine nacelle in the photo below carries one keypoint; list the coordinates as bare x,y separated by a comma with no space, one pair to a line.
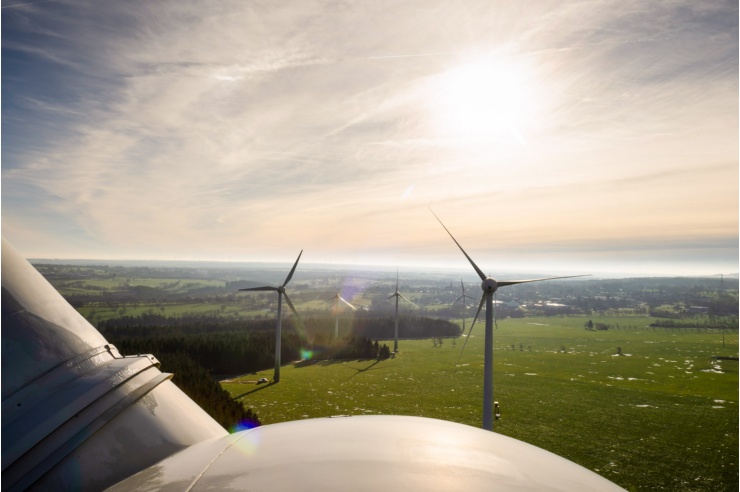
489,285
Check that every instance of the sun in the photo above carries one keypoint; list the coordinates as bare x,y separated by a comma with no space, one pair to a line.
487,99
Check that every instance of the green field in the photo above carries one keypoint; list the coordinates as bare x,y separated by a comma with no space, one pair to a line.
96,286
662,416
95,314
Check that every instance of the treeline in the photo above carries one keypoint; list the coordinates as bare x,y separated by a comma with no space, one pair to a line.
218,352
666,325
195,358
196,382
591,326
723,323
349,348
148,324
408,327
226,347
195,348
361,325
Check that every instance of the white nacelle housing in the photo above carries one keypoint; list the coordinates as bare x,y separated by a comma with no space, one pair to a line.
76,415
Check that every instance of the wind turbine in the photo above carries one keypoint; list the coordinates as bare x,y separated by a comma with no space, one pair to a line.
397,295
281,293
336,299
462,297
489,287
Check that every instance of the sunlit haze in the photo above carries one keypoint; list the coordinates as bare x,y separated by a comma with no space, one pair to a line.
554,137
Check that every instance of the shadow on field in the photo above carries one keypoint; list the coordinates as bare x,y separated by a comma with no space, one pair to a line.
358,371
258,388
328,362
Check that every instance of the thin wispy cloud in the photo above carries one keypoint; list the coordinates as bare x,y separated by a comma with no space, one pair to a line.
192,129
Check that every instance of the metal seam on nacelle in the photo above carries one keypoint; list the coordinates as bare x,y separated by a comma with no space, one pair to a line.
30,392
28,426
65,439
33,424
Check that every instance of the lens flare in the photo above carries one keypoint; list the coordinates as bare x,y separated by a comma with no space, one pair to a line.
243,425
248,442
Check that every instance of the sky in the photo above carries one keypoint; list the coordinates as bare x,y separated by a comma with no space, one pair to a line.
558,137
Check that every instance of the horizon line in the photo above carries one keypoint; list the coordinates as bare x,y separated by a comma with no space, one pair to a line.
379,267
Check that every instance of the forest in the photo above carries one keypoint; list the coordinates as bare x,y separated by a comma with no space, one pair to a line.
199,350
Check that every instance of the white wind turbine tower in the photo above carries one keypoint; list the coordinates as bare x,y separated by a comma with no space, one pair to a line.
336,300
281,293
489,287
397,295
463,297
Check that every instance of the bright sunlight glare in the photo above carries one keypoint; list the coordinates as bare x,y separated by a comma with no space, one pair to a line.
490,99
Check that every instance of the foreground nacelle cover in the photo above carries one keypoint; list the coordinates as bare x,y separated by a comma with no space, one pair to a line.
366,453
76,414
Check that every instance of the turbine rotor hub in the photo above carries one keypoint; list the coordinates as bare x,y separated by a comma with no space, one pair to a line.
489,285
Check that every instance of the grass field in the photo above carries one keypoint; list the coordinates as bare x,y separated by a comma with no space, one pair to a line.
662,416
95,286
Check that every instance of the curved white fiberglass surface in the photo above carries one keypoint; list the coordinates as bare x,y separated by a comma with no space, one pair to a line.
366,453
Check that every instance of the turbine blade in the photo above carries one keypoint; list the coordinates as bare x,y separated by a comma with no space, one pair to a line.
504,283
482,300
407,300
480,307
472,263
258,288
390,296
290,275
455,301
493,308
292,308
347,303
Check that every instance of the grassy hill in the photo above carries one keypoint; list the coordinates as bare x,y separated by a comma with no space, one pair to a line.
662,416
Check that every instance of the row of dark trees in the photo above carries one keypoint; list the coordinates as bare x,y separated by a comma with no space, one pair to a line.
591,326
316,328
225,346
196,382
372,326
722,323
196,348
147,324
220,353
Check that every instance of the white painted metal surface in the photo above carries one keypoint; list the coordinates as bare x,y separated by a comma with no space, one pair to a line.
76,415
366,453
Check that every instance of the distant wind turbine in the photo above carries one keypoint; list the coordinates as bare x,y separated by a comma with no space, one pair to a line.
489,287
397,295
281,293
462,298
336,299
